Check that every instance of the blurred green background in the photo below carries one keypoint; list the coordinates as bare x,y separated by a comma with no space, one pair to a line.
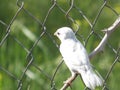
46,55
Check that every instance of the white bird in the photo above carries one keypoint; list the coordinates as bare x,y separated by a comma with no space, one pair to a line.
76,58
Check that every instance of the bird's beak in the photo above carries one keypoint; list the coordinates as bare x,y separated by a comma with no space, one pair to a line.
55,33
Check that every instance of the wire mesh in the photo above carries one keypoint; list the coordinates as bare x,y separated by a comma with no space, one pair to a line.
29,59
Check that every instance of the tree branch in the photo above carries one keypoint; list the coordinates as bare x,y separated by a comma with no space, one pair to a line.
108,32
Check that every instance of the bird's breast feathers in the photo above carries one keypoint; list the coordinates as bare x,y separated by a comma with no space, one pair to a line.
73,52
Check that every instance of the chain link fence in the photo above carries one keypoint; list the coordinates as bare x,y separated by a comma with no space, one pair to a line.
31,61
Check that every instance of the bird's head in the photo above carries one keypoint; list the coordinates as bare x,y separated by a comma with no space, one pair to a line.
64,33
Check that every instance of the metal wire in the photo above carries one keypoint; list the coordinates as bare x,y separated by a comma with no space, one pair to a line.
30,57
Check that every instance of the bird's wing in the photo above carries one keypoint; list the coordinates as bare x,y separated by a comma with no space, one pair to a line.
74,53
79,53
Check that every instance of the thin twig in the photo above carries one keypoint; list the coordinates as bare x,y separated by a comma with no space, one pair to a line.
108,32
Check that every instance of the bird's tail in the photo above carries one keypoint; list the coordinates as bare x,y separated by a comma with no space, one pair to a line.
92,79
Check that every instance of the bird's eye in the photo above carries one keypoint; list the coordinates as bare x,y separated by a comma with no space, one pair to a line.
58,33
